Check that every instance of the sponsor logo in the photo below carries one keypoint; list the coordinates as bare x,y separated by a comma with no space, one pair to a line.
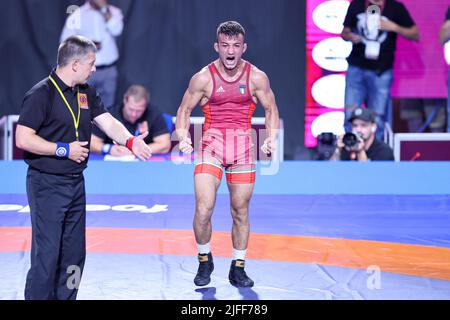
97,208
61,152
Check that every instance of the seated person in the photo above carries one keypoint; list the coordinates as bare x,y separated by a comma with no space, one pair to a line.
366,146
137,116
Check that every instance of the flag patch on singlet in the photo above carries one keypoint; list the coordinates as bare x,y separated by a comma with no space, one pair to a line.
242,88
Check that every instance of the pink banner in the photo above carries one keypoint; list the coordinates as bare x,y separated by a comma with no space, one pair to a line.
420,70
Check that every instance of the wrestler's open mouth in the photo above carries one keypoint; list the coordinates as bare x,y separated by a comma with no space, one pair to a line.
230,58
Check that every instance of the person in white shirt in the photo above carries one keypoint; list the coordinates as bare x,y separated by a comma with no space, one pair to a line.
100,22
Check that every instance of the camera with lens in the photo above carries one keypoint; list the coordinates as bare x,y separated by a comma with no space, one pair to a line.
327,138
326,144
350,139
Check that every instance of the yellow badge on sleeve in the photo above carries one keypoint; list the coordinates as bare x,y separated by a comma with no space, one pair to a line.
83,101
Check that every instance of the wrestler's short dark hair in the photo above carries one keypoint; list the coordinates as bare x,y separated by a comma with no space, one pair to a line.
230,29
74,47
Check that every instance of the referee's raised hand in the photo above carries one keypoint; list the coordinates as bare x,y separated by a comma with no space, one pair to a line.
78,152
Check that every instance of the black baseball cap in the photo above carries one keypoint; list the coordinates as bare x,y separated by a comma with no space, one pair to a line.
363,114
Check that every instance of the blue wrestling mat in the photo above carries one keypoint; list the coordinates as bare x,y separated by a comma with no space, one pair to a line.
318,231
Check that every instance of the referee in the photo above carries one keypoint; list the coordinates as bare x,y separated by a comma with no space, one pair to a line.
54,128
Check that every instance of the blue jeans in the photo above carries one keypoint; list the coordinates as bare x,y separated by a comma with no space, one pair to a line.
365,85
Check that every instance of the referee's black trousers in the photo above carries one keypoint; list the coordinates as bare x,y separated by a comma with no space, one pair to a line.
58,248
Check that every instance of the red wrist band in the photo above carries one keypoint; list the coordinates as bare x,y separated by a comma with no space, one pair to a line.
129,143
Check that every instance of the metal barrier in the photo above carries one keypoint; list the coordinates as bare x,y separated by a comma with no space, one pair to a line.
8,150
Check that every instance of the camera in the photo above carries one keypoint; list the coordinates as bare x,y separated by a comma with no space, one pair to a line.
350,139
326,144
327,138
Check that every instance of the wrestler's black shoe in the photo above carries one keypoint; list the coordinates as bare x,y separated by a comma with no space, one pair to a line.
205,268
237,275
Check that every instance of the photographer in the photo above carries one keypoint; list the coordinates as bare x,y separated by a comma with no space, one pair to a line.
373,27
361,144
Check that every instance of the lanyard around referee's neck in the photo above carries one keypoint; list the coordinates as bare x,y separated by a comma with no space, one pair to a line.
76,121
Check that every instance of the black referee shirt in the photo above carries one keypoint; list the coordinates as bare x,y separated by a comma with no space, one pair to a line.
44,111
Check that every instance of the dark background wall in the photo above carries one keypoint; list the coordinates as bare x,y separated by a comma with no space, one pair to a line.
163,44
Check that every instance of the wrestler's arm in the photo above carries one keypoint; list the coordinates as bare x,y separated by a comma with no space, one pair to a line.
263,92
192,96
